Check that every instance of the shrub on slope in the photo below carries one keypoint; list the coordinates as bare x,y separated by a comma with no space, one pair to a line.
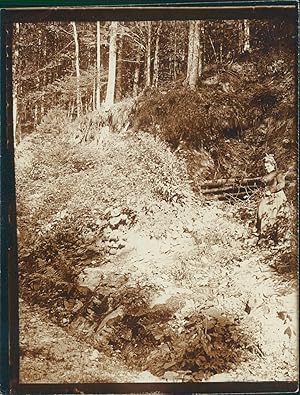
237,114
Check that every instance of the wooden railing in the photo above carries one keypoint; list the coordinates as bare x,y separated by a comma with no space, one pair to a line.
226,188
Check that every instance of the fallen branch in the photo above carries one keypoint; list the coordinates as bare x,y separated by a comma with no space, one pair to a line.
232,181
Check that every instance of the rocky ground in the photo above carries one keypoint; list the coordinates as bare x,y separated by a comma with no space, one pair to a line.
214,308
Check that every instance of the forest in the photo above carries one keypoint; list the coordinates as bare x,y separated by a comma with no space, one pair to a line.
139,161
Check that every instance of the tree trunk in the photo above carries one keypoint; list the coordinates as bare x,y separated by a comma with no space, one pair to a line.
193,77
246,46
175,53
244,36
148,56
98,73
110,93
156,57
136,74
190,50
201,49
119,81
94,93
78,91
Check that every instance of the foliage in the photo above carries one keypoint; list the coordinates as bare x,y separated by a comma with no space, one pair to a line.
43,60
232,115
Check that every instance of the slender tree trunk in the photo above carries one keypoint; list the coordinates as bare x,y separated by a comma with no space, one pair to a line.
94,93
190,50
119,81
156,57
244,36
213,48
98,72
72,109
193,77
175,53
136,73
201,49
246,46
44,83
78,91
110,93
35,115
148,56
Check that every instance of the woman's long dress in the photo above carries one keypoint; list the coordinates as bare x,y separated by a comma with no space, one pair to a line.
271,205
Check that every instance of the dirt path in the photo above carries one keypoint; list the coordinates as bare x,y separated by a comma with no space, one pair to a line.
48,354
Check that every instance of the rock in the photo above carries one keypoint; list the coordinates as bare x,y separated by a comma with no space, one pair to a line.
115,235
114,244
100,222
83,290
252,242
113,251
124,217
170,376
114,221
221,377
95,355
199,376
90,277
99,243
116,212
213,312
147,377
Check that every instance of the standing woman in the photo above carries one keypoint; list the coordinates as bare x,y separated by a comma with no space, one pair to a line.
274,197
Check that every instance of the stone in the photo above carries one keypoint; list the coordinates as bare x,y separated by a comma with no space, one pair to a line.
116,212
170,376
114,221
99,243
114,244
100,222
114,235
95,355
221,377
124,218
90,277
107,211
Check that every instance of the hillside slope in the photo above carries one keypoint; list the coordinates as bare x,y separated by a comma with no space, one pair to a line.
117,250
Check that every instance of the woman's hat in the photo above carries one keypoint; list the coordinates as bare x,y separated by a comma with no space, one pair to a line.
269,158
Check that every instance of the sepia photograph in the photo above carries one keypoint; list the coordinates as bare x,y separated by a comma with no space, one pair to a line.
156,198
